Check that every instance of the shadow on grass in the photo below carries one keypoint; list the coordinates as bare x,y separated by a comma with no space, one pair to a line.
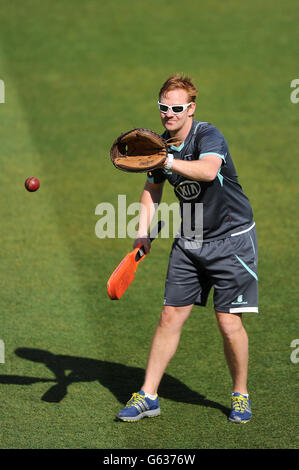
120,379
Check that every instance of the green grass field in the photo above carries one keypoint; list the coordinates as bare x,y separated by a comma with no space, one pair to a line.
77,74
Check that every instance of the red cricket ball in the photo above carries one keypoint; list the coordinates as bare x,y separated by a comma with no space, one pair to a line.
32,184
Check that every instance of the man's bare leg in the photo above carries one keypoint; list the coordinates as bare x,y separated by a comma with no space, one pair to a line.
235,343
164,345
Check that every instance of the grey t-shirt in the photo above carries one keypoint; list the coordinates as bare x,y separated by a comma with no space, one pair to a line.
225,206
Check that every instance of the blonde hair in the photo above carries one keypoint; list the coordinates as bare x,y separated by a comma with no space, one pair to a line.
179,81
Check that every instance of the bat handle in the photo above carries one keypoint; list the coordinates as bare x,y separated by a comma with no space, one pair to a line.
157,229
153,234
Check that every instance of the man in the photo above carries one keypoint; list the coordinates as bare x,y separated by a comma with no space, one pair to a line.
222,255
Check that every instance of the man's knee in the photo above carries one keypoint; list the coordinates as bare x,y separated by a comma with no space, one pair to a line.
167,317
229,323
174,317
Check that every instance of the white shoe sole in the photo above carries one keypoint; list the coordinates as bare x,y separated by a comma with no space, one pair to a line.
145,414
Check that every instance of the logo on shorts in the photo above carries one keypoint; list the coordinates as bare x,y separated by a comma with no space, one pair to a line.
239,301
188,189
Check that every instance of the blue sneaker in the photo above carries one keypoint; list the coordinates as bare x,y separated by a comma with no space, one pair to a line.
240,409
139,406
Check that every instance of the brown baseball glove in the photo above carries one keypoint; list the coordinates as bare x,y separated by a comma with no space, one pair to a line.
139,150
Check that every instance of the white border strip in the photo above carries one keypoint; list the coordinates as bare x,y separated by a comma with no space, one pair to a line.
244,310
212,153
243,231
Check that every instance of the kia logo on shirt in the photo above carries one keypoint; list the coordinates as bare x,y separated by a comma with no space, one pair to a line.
188,189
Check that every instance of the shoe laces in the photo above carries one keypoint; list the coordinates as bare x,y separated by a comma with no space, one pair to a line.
135,399
239,404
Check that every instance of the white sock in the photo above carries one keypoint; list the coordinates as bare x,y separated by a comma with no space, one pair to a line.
151,397
246,395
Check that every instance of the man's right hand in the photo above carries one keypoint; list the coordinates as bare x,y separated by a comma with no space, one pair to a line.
143,241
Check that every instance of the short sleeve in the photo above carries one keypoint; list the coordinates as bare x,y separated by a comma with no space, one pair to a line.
212,142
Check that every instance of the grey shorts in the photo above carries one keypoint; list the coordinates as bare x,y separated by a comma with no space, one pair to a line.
228,265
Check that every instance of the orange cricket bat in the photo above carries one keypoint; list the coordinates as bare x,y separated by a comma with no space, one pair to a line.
124,274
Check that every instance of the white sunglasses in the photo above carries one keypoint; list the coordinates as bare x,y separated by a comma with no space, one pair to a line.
176,109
